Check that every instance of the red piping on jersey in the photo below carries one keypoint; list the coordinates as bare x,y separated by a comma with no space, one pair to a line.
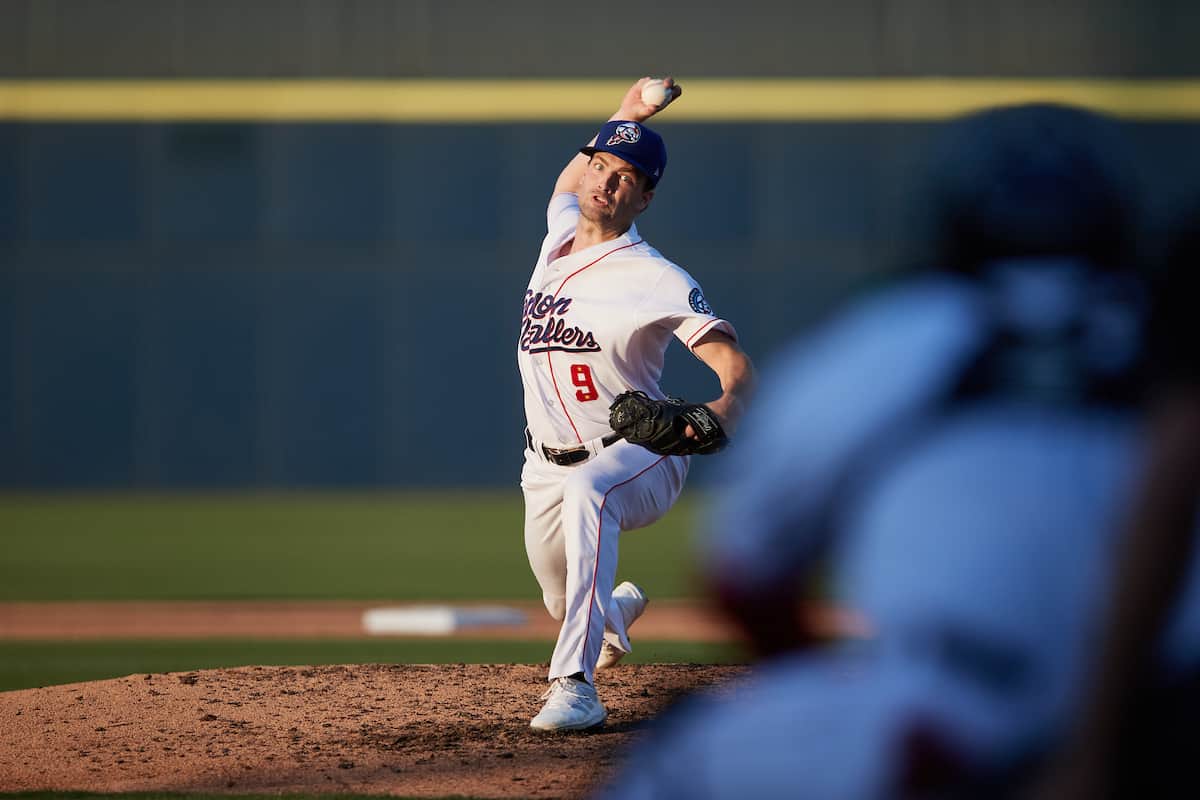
550,363
697,334
587,631
601,258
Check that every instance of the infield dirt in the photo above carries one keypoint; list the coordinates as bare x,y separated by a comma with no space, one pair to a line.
415,730
411,730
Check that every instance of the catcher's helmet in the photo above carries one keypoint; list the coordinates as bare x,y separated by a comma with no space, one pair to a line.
1031,180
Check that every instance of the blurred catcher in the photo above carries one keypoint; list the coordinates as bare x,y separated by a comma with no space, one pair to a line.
968,505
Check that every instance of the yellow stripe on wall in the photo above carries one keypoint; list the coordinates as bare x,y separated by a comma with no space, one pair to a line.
467,101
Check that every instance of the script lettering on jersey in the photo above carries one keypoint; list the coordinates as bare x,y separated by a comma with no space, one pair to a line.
544,330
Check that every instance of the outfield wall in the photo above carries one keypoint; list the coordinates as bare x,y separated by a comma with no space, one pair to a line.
271,302
339,304
308,305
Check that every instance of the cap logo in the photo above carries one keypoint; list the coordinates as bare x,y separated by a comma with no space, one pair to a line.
627,132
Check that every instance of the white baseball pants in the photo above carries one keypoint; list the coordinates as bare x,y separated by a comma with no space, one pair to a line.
574,516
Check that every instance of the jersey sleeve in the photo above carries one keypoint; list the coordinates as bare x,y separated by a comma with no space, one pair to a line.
677,303
561,214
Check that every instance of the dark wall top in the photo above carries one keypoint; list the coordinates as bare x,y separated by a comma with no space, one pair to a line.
544,38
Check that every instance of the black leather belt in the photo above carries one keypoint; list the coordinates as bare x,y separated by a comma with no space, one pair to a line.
570,456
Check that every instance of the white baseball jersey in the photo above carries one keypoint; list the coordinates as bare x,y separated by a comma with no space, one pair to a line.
597,323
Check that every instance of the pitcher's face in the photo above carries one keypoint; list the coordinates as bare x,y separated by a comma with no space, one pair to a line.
612,192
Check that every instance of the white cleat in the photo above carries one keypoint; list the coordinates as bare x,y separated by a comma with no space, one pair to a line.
571,705
632,602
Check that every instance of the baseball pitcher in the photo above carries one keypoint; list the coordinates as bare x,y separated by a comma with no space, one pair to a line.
605,450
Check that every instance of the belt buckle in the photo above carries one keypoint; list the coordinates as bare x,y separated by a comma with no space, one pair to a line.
565,458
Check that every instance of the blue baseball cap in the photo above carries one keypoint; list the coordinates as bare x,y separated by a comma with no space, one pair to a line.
635,143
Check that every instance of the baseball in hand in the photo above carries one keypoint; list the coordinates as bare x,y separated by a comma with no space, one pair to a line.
656,93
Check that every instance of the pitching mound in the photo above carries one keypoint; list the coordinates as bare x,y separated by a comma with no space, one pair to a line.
420,730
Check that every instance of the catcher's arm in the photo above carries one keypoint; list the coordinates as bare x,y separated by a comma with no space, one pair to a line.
1150,575
632,108
736,373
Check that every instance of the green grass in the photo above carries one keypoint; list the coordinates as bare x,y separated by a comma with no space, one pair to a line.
410,546
28,664
385,546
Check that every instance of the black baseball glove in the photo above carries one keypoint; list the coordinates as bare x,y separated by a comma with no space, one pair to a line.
658,425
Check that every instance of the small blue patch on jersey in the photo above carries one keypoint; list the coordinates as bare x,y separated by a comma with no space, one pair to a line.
699,304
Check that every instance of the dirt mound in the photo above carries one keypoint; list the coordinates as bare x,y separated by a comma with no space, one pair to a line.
418,730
